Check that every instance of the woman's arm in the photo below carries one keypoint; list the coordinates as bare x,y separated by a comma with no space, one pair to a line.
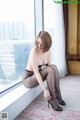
33,57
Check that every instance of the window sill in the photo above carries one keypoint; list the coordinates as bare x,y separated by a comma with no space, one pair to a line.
15,101
12,96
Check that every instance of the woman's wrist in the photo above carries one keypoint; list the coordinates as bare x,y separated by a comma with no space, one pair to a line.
43,86
44,89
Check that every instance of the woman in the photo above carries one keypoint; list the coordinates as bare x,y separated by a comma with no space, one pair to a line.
39,69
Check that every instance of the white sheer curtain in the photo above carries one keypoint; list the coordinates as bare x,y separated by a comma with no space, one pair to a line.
59,40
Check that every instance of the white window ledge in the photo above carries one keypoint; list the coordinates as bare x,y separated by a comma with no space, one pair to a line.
15,101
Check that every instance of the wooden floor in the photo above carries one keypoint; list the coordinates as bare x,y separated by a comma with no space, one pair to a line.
38,109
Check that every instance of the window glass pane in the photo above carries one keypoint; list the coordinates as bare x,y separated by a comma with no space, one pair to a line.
16,39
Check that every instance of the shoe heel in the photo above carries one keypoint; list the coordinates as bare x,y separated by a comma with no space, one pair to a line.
48,104
57,109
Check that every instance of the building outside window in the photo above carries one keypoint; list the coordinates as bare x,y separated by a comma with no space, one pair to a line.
16,39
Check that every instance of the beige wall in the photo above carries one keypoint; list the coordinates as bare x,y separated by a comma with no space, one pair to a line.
73,38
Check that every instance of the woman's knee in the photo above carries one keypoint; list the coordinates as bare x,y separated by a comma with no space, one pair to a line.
50,70
54,67
26,83
24,76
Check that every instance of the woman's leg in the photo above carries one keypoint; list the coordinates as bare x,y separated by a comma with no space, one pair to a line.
56,78
29,80
48,74
50,82
57,83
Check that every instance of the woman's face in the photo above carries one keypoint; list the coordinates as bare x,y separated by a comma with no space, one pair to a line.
39,43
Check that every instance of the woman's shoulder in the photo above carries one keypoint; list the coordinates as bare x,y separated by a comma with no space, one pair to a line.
33,51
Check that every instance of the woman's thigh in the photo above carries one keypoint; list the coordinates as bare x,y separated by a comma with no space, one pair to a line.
54,67
30,81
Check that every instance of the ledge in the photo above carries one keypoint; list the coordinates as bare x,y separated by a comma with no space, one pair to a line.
17,100
12,96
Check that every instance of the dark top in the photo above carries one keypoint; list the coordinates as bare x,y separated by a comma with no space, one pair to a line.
40,67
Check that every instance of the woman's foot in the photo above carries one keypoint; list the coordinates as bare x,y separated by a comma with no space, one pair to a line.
62,102
59,109
54,105
59,98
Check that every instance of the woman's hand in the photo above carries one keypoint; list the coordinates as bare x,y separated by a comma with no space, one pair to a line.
47,94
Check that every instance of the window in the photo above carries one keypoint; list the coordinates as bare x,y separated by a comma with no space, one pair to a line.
16,40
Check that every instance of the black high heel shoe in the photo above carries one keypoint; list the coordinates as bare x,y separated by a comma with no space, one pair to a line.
57,109
59,98
62,102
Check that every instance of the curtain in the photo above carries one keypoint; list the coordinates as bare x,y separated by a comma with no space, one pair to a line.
59,40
